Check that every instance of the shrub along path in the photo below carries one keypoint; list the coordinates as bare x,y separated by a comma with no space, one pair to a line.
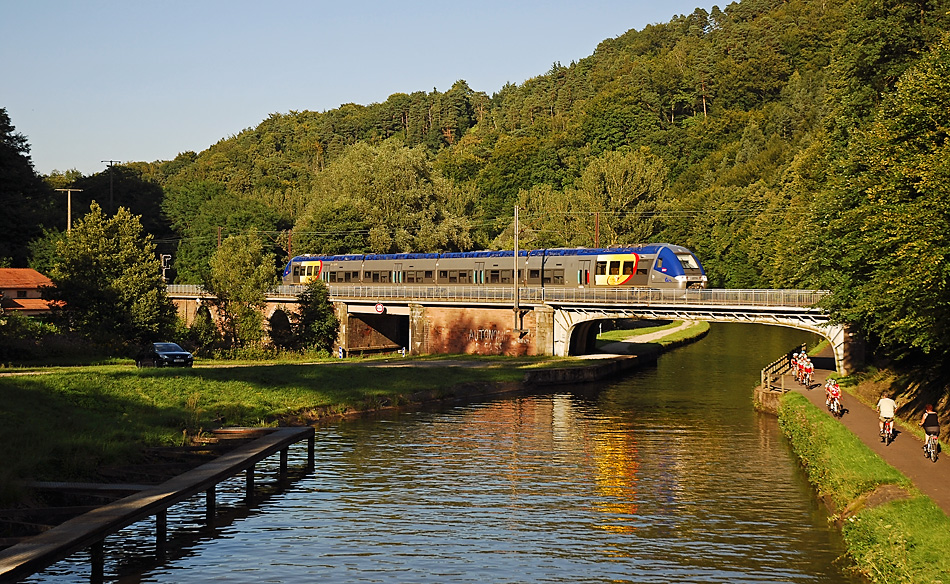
904,453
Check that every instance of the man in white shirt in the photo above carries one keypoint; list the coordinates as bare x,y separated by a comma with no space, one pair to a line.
885,411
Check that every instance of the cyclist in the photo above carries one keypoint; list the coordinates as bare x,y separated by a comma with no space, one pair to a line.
929,422
885,411
809,370
834,392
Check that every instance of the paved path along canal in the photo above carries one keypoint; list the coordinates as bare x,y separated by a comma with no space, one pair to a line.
904,453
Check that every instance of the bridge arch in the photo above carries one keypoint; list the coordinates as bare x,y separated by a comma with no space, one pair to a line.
574,327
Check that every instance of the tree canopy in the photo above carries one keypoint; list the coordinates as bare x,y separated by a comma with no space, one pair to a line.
107,280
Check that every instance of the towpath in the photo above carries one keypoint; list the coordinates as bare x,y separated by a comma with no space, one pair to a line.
904,453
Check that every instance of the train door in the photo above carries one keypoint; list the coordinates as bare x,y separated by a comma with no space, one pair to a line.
479,272
397,273
583,274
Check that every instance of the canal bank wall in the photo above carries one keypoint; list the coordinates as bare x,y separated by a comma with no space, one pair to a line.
597,368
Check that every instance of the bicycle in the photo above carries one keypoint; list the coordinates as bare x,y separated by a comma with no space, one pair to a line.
835,407
931,447
888,436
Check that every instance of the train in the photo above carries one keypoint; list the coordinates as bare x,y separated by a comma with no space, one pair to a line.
655,265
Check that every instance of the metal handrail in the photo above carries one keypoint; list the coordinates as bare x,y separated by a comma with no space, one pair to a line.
807,299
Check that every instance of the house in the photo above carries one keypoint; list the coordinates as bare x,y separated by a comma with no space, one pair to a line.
20,291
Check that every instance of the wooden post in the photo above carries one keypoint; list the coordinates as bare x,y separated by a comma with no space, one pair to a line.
161,533
210,504
283,463
249,480
311,447
98,562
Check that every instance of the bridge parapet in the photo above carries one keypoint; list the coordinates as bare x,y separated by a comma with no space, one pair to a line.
807,299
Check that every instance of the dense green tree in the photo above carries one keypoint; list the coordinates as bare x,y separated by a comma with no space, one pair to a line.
315,325
895,242
241,272
624,190
26,200
203,333
388,191
107,280
218,217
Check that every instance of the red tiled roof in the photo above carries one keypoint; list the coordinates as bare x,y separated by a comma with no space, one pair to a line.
31,304
22,278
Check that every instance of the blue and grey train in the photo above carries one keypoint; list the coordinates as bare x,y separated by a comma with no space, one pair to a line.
656,265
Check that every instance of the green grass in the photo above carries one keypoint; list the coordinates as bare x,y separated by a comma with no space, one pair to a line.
697,329
63,423
905,541
623,334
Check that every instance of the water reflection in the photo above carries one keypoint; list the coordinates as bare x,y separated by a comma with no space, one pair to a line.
667,475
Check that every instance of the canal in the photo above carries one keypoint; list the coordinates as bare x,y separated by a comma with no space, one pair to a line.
666,475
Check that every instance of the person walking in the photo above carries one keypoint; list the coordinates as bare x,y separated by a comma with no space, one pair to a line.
885,411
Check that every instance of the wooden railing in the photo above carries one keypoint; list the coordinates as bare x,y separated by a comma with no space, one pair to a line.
776,370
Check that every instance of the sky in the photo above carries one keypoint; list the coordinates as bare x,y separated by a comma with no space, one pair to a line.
92,81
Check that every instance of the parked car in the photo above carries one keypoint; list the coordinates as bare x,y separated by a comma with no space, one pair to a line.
164,355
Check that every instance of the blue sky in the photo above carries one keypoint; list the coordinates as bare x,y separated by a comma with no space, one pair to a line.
142,81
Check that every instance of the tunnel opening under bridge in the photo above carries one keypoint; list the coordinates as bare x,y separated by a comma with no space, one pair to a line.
584,337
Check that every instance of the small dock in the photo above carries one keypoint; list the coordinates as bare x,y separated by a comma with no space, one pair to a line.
90,529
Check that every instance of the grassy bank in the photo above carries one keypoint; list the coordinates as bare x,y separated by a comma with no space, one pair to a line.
62,424
628,337
893,533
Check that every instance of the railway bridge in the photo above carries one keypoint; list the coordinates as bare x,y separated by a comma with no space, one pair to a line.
543,320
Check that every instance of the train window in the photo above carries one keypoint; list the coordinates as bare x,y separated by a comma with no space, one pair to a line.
558,277
641,271
454,277
534,276
506,276
600,269
464,277
688,261
494,276
331,276
429,274
614,268
628,268
296,271
443,275
410,277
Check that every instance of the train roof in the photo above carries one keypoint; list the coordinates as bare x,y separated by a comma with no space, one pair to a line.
572,251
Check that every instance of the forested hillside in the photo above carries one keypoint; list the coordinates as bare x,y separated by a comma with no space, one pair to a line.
798,143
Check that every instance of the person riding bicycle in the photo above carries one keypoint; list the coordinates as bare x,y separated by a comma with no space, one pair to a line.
834,392
929,422
885,411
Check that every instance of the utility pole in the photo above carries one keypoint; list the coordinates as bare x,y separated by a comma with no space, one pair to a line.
517,327
111,196
69,207
596,230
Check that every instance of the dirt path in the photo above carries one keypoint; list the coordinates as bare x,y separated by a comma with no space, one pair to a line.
904,453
